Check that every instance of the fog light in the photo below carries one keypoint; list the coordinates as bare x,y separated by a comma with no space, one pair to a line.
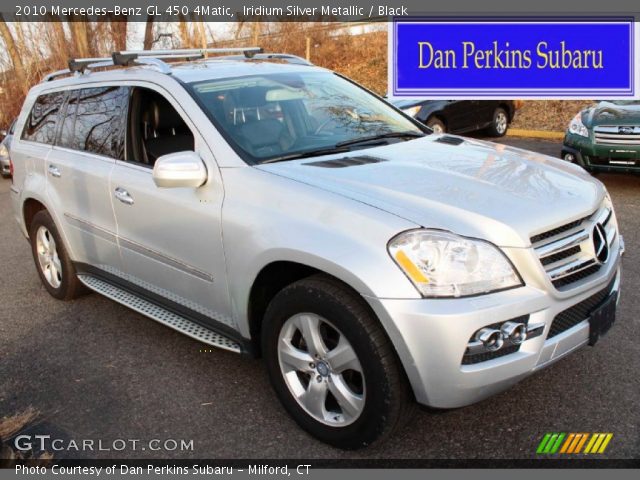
491,339
515,332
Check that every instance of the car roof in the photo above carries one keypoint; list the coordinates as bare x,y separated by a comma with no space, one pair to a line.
188,72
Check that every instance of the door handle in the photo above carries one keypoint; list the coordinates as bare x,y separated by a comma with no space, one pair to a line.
122,195
54,171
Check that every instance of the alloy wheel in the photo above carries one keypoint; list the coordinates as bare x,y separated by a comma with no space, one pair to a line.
48,258
321,370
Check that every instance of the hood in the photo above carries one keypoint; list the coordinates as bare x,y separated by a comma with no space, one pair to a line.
475,188
608,113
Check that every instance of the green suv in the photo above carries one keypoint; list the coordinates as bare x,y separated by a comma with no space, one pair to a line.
605,137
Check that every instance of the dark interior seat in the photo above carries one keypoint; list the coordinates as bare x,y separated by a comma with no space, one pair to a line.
169,132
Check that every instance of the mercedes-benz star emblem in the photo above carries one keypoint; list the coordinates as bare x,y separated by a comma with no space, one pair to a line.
600,245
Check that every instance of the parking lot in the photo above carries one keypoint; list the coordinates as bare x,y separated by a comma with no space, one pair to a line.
97,370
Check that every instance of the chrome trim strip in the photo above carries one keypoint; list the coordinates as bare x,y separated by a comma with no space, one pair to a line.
570,268
604,216
557,246
91,228
162,258
136,247
14,189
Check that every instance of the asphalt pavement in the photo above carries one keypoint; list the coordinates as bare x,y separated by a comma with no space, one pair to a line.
97,370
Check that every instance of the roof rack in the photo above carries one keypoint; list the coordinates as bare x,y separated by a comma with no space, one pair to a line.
285,57
154,58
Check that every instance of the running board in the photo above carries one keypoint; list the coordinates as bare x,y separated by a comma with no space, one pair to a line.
159,314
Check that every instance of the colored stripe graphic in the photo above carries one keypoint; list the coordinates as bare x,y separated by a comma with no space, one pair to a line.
598,443
573,443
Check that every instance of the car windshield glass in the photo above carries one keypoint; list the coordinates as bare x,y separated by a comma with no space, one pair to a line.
284,116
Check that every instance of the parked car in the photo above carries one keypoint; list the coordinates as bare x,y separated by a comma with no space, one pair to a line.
5,146
280,210
605,137
461,116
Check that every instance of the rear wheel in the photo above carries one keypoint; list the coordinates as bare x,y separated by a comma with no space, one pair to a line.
331,364
500,123
52,261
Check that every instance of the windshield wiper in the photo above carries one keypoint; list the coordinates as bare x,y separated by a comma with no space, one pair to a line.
381,136
311,153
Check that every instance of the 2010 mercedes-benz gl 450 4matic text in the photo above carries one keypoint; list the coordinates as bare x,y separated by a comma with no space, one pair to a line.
270,207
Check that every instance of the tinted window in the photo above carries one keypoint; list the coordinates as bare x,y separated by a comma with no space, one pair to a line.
100,117
41,123
68,121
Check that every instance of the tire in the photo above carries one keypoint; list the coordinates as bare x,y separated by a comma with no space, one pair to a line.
379,398
436,125
56,271
499,124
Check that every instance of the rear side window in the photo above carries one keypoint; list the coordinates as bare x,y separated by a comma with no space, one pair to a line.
41,124
96,121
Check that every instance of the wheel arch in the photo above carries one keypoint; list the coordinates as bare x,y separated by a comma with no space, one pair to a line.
278,274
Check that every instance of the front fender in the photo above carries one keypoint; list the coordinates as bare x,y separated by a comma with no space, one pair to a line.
268,218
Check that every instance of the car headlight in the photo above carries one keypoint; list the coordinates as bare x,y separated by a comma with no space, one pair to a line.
442,264
4,151
412,111
577,127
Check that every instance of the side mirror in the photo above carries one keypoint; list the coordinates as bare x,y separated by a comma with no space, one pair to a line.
179,170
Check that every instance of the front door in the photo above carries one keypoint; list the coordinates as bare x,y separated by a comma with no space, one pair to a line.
170,238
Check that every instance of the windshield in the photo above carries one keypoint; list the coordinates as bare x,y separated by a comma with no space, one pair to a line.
289,115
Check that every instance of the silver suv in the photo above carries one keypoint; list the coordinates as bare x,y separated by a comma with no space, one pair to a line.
269,207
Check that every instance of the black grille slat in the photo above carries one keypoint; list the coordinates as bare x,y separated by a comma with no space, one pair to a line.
560,255
574,277
572,316
557,231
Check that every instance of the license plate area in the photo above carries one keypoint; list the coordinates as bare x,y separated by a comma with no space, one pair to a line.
602,318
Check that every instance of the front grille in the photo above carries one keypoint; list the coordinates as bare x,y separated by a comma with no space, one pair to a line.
617,135
572,316
567,253
561,255
557,231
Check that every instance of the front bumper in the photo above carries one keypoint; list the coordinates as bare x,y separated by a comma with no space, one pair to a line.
604,158
431,337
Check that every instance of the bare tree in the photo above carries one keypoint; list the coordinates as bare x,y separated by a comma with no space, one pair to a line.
118,30
186,40
13,52
80,35
148,33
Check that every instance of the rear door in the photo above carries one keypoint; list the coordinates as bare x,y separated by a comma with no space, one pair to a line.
90,140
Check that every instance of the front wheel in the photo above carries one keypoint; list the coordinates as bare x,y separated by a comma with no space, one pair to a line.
500,123
332,365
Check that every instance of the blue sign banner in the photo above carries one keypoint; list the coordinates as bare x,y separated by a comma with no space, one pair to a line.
513,59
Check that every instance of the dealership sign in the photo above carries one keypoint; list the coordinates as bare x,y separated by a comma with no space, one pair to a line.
480,58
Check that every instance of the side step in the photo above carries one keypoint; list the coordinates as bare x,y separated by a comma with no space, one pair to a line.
159,314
